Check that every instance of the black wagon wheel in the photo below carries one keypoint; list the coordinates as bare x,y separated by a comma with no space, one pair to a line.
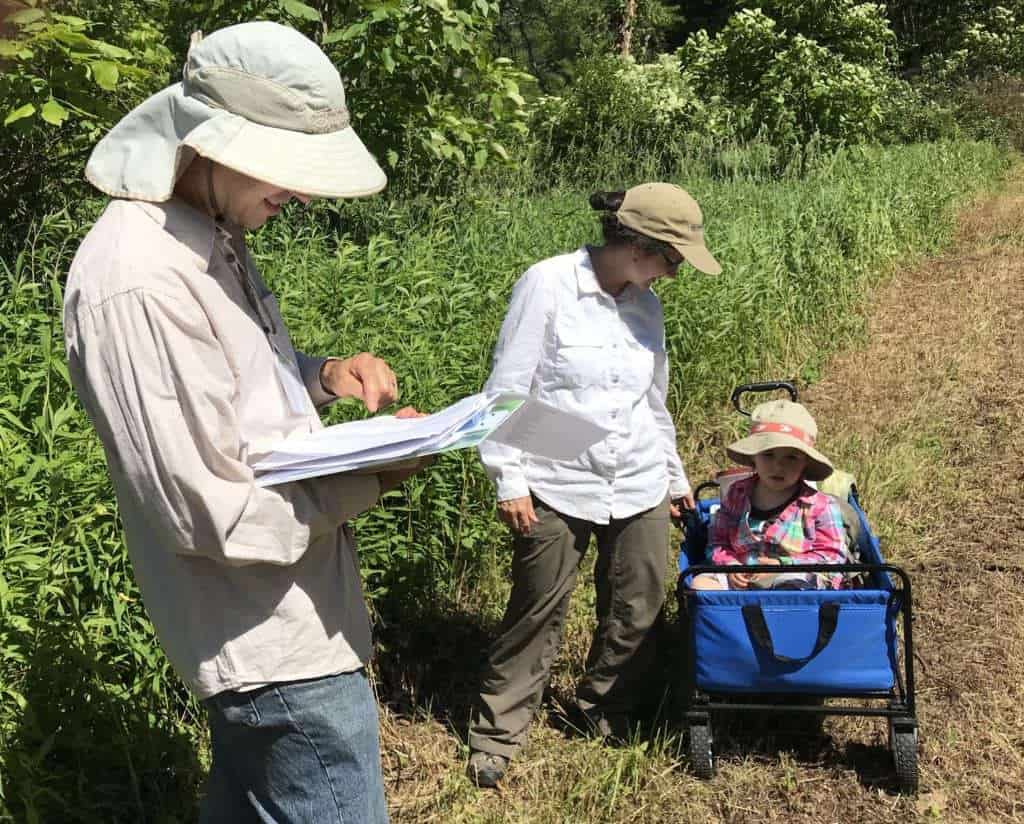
702,760
903,741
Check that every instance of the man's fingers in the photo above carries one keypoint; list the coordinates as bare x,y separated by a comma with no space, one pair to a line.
378,381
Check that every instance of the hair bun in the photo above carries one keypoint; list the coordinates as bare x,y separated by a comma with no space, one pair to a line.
606,201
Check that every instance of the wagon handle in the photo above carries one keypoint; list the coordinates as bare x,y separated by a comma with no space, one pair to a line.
770,386
703,487
753,617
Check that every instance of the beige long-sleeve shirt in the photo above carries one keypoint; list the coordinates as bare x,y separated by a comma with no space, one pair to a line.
187,381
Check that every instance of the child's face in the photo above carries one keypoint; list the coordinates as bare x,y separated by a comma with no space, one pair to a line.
779,469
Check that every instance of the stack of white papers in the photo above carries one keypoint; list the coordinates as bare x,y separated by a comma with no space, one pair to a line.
513,420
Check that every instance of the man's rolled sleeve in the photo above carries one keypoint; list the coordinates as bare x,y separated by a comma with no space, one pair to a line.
161,391
309,368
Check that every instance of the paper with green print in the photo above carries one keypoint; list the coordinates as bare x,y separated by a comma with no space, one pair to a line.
521,422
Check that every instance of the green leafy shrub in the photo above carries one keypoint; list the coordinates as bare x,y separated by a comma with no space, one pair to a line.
990,42
614,102
786,74
63,81
789,71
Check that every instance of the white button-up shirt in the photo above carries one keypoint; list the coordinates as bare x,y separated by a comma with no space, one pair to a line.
571,344
187,378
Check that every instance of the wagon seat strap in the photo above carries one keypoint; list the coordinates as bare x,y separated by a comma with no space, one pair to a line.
753,616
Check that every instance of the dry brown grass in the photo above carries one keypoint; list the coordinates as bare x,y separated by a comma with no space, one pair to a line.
927,414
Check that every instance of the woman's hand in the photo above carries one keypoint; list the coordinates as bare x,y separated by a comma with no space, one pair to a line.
518,514
677,505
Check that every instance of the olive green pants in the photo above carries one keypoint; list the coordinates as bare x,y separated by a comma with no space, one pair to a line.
630,581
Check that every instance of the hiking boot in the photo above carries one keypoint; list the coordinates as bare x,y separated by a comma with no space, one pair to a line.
615,730
486,769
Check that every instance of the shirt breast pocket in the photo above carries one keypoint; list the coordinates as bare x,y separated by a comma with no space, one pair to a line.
582,358
640,355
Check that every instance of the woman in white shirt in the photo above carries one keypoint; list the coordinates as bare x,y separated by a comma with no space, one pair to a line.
585,333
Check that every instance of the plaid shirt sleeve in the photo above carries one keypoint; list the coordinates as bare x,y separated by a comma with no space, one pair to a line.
829,543
722,543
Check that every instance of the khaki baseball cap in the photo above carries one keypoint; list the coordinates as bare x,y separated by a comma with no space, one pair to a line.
667,213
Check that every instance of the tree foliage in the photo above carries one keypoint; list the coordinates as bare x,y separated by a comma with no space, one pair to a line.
550,37
785,72
64,80
423,83
790,70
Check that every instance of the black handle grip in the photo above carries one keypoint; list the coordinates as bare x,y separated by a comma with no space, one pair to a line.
753,616
756,388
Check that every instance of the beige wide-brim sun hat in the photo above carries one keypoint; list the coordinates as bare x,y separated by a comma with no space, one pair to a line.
259,98
779,424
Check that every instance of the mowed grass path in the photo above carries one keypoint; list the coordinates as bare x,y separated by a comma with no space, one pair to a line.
927,413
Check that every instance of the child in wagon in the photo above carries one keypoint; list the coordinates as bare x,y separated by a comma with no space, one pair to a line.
774,516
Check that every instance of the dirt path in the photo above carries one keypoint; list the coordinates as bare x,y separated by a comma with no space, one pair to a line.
929,415
944,373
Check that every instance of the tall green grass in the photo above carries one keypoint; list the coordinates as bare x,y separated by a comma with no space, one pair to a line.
93,726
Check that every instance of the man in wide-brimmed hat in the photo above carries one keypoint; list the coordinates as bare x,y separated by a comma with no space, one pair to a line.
181,358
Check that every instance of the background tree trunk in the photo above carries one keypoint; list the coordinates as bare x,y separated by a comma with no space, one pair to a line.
626,29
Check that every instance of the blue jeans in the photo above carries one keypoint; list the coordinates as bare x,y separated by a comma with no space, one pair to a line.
304,751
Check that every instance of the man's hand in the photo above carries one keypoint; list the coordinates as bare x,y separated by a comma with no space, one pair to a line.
518,514
363,376
396,474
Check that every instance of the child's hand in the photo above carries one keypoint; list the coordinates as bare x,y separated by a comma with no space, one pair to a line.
739,580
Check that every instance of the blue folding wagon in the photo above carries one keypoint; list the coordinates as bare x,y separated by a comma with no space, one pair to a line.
751,650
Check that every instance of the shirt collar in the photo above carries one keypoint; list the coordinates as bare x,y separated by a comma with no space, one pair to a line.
804,497
190,227
586,278
588,284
